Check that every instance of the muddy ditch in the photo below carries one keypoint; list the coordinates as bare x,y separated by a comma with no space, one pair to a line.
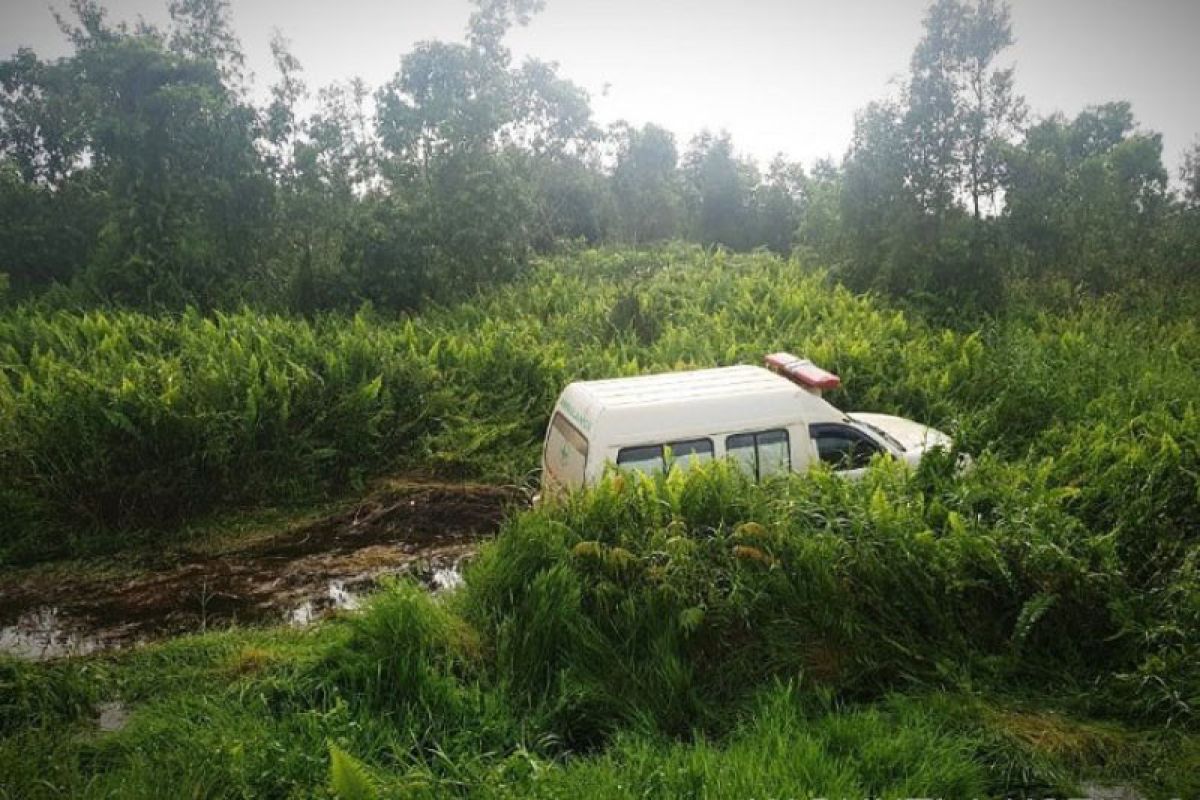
296,576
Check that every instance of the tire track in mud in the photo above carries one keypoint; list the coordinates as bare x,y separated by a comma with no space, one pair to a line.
296,576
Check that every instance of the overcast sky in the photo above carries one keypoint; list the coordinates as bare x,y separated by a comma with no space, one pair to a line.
780,75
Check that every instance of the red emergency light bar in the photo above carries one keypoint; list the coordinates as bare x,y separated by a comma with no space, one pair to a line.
802,371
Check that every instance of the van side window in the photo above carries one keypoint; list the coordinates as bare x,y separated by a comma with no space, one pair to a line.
652,458
761,454
566,451
648,458
843,447
691,452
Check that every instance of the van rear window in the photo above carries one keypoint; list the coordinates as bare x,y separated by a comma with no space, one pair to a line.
653,458
566,452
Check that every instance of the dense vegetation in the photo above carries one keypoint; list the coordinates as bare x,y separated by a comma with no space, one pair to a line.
697,635
111,420
629,620
145,170
217,306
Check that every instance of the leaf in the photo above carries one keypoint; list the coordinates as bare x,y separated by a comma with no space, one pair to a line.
370,391
691,618
348,777
1034,609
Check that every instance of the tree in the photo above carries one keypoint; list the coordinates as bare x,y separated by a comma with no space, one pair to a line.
779,205
51,205
163,147
48,232
961,107
43,129
916,160
719,191
460,211
1084,198
646,184
320,167
883,215
1182,246
820,230
1189,175
201,31
553,142
177,149
493,19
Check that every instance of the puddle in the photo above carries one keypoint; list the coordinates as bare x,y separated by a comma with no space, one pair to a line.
446,579
45,632
296,577
336,597
348,594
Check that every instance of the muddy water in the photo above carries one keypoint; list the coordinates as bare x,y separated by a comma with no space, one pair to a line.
294,577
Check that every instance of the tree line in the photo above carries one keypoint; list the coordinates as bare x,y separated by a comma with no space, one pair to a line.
139,170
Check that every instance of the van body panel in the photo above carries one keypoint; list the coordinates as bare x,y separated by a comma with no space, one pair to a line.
593,421
614,414
915,439
565,454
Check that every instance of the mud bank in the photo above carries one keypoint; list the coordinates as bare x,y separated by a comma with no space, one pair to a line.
296,576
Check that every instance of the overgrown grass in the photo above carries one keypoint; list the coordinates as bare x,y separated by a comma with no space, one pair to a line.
425,707
112,421
697,634
1008,631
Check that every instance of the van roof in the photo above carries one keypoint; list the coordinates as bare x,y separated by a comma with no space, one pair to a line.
670,387
659,407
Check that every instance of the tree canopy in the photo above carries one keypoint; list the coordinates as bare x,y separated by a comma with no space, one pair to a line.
140,170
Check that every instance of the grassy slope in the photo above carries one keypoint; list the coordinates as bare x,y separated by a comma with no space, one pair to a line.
1062,576
253,713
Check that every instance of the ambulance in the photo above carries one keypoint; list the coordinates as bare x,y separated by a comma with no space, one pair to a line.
768,420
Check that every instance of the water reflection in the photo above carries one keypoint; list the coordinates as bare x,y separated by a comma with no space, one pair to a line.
52,631
346,594
44,632
337,596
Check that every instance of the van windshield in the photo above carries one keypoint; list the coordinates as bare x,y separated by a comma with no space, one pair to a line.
879,433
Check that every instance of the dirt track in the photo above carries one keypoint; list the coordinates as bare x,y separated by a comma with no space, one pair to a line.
294,576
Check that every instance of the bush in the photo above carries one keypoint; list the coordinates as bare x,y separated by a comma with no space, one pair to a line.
670,598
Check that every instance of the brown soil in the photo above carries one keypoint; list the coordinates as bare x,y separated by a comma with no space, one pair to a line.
293,576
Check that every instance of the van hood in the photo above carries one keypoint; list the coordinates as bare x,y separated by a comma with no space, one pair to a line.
915,437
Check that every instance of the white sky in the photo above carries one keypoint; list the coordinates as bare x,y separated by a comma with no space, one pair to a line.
780,75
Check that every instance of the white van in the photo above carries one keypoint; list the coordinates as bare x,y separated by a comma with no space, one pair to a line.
768,420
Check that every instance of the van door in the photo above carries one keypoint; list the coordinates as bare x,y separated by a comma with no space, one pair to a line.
565,455
761,453
846,449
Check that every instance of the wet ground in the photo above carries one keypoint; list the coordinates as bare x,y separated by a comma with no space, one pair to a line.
296,576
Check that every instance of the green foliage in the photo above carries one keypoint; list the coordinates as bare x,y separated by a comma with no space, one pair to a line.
685,635
720,194
135,171
408,656
646,184
652,598
1087,198
117,420
111,421
348,778
253,713
33,697
781,749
